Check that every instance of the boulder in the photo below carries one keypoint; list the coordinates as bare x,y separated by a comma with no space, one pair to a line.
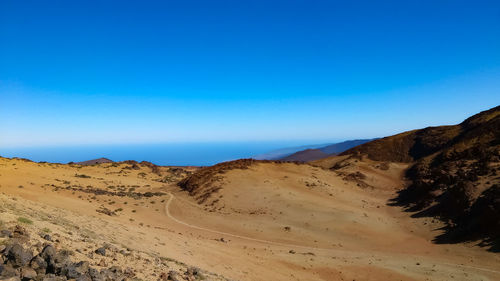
101,251
7,271
75,270
4,233
17,256
173,275
28,273
95,275
39,265
20,232
48,253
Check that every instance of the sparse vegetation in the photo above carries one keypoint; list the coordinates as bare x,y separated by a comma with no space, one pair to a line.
24,220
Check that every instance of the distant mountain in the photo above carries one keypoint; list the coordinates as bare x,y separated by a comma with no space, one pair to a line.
306,155
343,146
327,148
94,161
284,152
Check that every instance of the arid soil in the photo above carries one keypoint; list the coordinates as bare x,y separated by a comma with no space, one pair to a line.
245,221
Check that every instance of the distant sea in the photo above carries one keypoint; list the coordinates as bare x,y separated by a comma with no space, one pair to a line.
175,154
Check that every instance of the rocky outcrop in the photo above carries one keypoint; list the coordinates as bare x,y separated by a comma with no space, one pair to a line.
17,262
24,258
459,183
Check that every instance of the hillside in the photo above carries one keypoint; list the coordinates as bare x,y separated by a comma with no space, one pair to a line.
328,149
340,147
322,152
453,176
460,182
341,214
239,220
94,222
414,145
284,152
306,155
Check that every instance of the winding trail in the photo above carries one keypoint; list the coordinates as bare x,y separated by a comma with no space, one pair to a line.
167,211
169,215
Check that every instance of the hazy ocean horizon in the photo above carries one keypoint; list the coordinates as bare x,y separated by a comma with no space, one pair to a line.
181,154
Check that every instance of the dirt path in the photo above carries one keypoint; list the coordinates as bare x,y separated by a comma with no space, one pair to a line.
167,212
169,215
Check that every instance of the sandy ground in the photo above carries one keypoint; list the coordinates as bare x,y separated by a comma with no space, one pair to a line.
268,222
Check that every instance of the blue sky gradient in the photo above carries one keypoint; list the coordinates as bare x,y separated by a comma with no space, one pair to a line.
121,72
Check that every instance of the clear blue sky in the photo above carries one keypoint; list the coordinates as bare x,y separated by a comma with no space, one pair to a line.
101,72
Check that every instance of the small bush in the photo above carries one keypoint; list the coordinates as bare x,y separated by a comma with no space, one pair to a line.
24,220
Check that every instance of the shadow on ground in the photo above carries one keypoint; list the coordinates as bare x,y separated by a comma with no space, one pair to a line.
478,223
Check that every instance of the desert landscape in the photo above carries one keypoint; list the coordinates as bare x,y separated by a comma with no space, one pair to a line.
249,140
353,216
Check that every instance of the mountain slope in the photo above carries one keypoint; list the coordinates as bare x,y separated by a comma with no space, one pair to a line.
343,211
408,146
284,152
454,175
306,155
460,183
414,145
328,149
343,146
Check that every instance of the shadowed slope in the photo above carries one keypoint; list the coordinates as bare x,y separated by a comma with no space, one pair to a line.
454,175
460,183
